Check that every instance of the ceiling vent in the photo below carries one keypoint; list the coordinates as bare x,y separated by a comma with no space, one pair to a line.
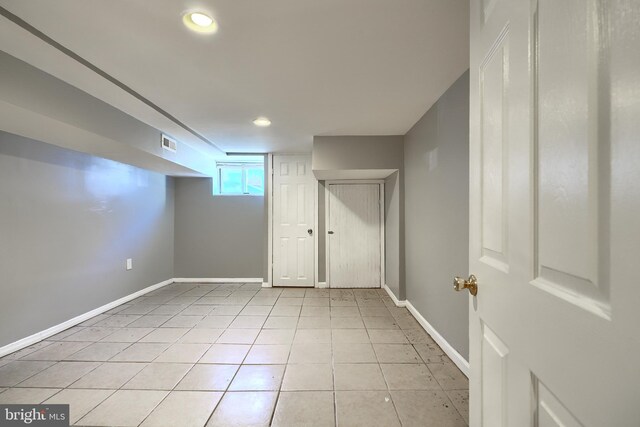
169,144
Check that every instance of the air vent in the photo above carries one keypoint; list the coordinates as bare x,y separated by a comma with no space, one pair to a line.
169,144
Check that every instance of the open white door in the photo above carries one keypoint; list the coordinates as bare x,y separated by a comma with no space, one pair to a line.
555,213
293,221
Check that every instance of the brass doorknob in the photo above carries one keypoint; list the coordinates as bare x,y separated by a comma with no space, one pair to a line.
471,283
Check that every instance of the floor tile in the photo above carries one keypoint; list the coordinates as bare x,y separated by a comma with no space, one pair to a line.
316,302
206,377
379,322
80,401
316,292
90,334
226,310
238,409
320,336
285,310
281,322
182,321
258,378
387,336
311,311
314,322
345,312
201,336
238,336
449,376
129,335
225,353
304,409
158,376
150,321
361,376
60,375
431,353
170,310
308,377
289,301
99,351
418,336
406,376
342,302
18,371
270,301
365,409
275,336
248,322
26,395
310,353
215,322
268,354
140,352
184,409
396,353
353,353
349,336
256,310
118,320
460,399
109,376
374,311
426,408
138,309
183,353
57,351
124,408
168,335
347,323
195,309
27,350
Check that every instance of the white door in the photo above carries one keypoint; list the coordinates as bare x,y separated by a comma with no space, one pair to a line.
293,221
354,236
555,213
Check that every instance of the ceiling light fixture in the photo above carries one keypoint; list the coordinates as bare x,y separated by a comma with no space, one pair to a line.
262,122
200,22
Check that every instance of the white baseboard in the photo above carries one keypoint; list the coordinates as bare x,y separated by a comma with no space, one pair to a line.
453,354
39,336
322,285
266,285
395,299
218,280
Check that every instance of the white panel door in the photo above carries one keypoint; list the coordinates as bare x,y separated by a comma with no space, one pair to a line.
293,221
555,213
354,236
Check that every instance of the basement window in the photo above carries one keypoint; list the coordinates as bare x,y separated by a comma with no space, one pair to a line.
240,179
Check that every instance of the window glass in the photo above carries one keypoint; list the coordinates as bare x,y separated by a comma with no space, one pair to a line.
231,180
239,179
255,180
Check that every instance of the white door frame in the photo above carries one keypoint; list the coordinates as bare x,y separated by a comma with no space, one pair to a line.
269,282
380,183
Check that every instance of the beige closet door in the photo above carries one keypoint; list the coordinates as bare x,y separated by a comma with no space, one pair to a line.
354,236
555,213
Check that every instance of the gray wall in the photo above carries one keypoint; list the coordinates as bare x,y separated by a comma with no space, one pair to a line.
437,213
368,157
218,236
38,105
68,222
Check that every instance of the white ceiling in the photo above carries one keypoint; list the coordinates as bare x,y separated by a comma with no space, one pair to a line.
324,67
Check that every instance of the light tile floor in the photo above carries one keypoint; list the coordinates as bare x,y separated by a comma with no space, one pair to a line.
237,355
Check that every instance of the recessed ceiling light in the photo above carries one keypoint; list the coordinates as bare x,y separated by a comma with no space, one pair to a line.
262,122
200,22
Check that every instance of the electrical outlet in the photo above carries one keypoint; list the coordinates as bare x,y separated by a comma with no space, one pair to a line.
129,263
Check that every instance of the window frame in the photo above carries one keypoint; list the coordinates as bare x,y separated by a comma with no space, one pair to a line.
243,166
